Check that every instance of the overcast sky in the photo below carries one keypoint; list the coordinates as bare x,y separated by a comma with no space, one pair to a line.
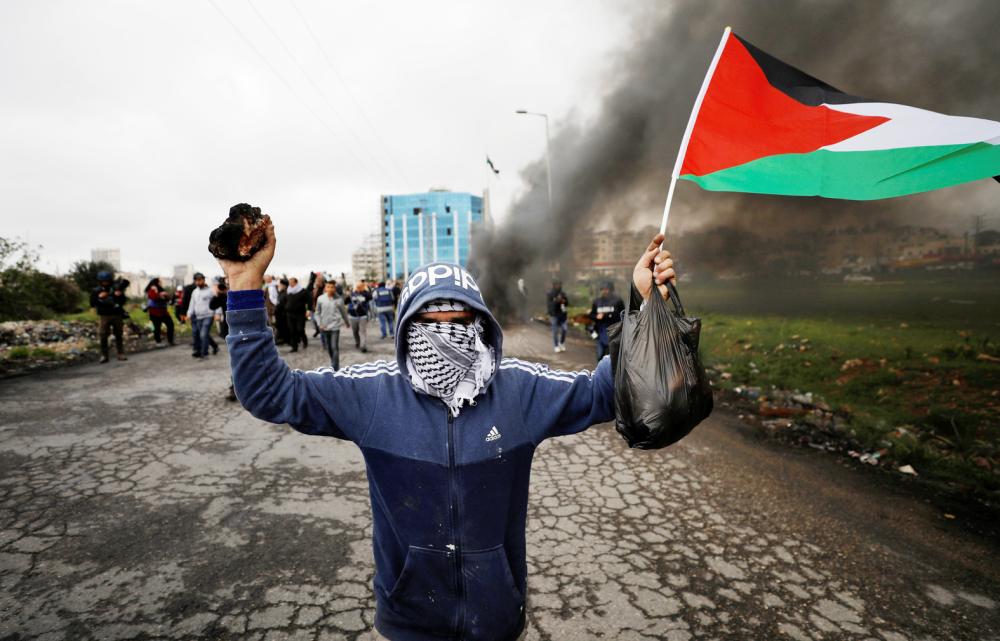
137,125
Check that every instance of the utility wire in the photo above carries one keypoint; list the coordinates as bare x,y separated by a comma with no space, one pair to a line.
315,86
288,85
348,91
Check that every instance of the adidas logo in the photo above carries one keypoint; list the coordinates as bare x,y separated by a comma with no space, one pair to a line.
493,435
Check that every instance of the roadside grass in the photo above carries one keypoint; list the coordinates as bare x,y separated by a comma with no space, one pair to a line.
913,364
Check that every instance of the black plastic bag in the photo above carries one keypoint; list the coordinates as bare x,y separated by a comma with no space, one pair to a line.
661,389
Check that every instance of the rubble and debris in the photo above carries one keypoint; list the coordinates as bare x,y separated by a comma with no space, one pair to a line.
35,344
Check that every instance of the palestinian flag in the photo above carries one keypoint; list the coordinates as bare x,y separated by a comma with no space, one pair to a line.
762,126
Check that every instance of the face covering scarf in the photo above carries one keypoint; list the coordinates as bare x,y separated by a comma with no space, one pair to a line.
449,360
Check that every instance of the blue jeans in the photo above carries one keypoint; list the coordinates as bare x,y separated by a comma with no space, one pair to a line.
558,330
386,320
200,328
331,341
602,343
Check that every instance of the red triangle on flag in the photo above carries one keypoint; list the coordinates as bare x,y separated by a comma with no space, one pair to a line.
743,117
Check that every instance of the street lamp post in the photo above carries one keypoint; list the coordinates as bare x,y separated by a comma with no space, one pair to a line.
548,160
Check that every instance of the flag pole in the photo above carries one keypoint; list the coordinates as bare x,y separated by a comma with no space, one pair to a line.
675,174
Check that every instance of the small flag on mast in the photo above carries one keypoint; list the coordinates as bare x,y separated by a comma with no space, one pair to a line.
490,163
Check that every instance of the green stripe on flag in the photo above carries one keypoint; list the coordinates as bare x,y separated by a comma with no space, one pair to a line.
858,175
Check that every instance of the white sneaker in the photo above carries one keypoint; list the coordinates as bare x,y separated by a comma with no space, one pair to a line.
562,348
556,349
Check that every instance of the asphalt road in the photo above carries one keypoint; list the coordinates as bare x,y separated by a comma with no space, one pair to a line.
137,503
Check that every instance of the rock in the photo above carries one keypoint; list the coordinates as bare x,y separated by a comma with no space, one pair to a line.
241,235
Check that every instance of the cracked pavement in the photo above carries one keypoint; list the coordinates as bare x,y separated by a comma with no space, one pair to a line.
137,503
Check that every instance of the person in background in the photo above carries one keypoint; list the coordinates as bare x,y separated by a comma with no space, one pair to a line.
219,306
297,305
280,317
270,288
385,309
199,311
157,306
396,289
357,314
109,303
183,300
370,287
331,315
319,287
605,311
557,305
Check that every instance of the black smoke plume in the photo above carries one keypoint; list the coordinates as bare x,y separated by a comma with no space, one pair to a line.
616,169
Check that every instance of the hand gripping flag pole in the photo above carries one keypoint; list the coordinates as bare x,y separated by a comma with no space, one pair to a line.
675,174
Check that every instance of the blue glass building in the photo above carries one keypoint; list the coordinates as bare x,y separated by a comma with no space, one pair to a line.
428,227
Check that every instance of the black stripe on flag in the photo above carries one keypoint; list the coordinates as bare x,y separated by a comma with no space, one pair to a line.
795,83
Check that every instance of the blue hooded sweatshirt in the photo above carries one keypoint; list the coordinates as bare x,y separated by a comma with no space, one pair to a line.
449,496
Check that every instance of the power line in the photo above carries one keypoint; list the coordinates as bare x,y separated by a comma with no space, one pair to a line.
316,86
348,91
287,84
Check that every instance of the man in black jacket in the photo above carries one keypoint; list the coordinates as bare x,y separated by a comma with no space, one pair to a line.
557,305
298,302
109,303
606,311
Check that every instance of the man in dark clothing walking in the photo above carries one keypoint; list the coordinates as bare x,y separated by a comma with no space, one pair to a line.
298,302
357,314
385,308
109,303
606,311
280,317
557,305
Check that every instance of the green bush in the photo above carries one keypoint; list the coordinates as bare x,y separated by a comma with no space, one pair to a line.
84,273
25,292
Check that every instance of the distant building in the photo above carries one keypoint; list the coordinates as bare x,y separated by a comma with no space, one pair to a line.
433,226
113,256
183,274
367,261
609,253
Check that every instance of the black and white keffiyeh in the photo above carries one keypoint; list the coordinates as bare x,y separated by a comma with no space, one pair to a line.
448,360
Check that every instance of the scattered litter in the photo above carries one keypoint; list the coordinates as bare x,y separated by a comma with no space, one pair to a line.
851,363
988,358
949,516
870,458
908,469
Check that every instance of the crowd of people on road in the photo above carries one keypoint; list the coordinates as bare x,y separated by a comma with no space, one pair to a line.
324,305
327,306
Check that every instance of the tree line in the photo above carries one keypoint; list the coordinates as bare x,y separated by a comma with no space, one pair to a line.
27,293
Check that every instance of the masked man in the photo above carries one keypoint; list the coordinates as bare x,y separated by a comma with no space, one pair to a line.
447,430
